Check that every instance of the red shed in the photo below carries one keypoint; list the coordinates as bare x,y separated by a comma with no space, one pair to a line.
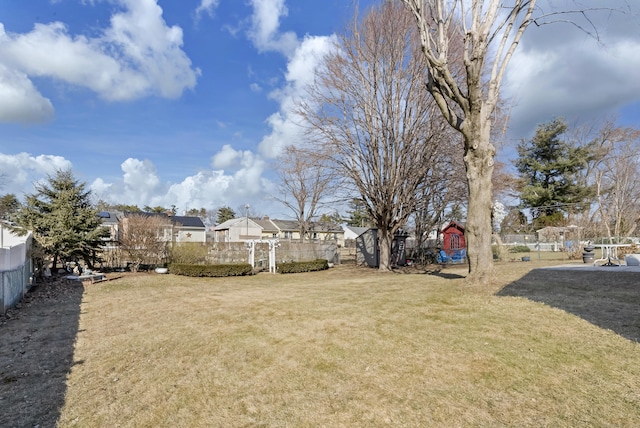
453,238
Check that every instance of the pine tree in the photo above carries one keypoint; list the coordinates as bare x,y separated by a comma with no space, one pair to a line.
9,205
224,214
62,219
358,215
548,168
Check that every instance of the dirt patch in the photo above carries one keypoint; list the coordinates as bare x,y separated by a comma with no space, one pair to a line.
36,353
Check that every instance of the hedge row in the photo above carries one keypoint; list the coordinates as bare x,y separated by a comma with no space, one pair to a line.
297,267
519,249
210,270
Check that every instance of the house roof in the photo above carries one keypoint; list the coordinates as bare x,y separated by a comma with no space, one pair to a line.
275,225
109,217
184,221
234,222
188,221
267,225
288,225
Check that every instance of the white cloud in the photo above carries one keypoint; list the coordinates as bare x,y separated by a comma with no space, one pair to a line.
215,188
20,171
207,6
226,157
20,101
137,56
141,186
241,181
265,24
285,124
141,182
255,87
100,187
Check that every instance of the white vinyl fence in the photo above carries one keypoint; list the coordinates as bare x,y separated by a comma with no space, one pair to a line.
15,272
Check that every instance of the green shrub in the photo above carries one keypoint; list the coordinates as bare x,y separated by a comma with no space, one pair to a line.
189,253
519,249
297,267
210,270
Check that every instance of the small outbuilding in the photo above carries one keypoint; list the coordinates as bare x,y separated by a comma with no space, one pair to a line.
453,241
368,248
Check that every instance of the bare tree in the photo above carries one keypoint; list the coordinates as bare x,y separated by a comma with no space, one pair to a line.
616,178
379,126
444,186
144,238
306,185
490,32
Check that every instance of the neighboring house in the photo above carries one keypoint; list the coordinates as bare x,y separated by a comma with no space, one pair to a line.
287,229
242,229
175,228
237,230
327,232
188,229
290,230
269,229
110,247
165,234
453,238
111,220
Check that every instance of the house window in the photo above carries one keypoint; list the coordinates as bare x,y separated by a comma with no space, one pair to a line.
288,234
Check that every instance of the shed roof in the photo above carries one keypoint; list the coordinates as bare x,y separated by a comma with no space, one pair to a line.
453,224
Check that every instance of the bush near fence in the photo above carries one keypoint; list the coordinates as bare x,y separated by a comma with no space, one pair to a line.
211,271
299,267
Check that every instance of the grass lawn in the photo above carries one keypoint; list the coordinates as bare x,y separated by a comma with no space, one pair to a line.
346,347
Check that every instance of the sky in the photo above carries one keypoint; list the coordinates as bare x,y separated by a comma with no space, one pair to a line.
188,103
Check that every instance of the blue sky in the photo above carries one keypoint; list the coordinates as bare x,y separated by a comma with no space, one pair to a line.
187,103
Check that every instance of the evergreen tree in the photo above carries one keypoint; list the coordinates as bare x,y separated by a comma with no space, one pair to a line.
358,214
549,172
160,210
334,218
9,205
224,214
62,219
102,205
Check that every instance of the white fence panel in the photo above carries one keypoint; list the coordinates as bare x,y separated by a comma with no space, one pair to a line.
13,286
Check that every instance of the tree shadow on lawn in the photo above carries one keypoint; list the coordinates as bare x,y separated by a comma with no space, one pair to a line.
608,299
36,354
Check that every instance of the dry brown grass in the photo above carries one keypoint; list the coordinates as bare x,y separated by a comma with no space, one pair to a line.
344,347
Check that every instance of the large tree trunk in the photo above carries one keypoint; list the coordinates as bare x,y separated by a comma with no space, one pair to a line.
478,159
385,239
